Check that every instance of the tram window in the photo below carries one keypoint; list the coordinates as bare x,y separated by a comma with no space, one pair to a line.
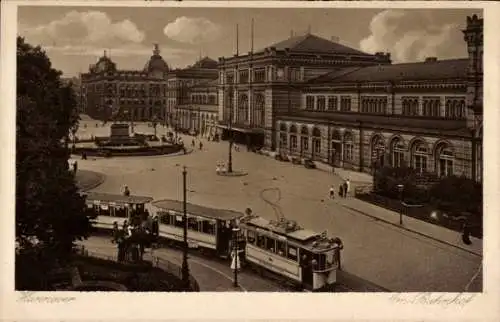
261,241
105,210
208,227
281,248
120,212
164,217
271,244
292,253
320,261
178,221
251,236
193,224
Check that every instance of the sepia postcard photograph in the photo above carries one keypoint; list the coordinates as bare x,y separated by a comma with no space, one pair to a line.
319,157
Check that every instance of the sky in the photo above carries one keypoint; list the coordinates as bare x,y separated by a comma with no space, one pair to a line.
75,37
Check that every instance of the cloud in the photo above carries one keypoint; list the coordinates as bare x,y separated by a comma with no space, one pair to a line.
84,28
192,30
413,36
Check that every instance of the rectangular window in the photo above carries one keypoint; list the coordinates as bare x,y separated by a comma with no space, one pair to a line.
261,241
292,253
281,248
244,76
270,244
309,102
332,103
260,75
431,106
321,103
251,237
208,227
345,103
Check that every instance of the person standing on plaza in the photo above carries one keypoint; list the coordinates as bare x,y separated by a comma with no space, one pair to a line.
332,192
201,145
348,187
341,190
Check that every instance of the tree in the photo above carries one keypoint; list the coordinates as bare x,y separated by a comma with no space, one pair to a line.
50,213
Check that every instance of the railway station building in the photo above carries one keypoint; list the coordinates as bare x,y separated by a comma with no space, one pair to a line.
314,98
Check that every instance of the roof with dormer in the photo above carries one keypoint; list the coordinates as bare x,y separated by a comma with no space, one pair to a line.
310,43
428,70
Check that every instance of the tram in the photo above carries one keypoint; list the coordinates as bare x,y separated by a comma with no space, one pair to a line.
111,208
207,228
302,256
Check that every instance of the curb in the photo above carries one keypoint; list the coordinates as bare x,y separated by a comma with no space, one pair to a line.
413,231
102,178
233,174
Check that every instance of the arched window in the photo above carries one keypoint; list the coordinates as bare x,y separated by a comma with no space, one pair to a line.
348,147
378,151
258,110
304,139
316,133
444,160
420,156
293,138
397,153
242,109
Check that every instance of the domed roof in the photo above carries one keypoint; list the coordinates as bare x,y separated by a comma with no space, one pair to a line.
156,62
104,64
206,62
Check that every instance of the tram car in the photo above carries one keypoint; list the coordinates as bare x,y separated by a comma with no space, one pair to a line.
111,208
207,228
304,257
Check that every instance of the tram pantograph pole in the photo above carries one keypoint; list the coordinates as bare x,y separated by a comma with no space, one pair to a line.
185,267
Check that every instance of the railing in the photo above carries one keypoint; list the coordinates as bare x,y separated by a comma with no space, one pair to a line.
161,263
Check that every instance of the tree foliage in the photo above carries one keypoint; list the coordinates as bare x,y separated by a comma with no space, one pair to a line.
49,210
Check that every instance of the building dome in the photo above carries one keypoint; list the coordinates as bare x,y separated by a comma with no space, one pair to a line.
104,64
156,62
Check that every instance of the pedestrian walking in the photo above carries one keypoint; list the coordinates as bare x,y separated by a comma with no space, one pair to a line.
344,189
348,185
193,143
75,167
201,145
341,190
332,192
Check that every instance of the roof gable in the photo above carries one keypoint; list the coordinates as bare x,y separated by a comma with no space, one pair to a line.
313,44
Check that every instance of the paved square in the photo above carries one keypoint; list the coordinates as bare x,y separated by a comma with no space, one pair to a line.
385,255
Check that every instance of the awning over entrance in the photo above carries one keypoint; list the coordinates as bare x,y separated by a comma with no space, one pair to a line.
240,129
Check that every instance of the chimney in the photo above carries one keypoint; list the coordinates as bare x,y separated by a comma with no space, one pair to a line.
431,59
335,39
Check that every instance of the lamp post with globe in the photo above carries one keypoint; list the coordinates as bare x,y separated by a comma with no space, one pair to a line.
400,189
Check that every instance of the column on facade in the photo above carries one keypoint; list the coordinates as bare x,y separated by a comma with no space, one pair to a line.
235,106
250,106
442,106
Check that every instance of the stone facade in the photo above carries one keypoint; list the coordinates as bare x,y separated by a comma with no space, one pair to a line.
108,93
333,104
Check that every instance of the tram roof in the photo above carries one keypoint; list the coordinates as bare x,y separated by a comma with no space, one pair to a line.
197,210
299,234
108,197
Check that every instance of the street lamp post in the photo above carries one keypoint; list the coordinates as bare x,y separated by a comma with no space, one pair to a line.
236,230
400,189
185,267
